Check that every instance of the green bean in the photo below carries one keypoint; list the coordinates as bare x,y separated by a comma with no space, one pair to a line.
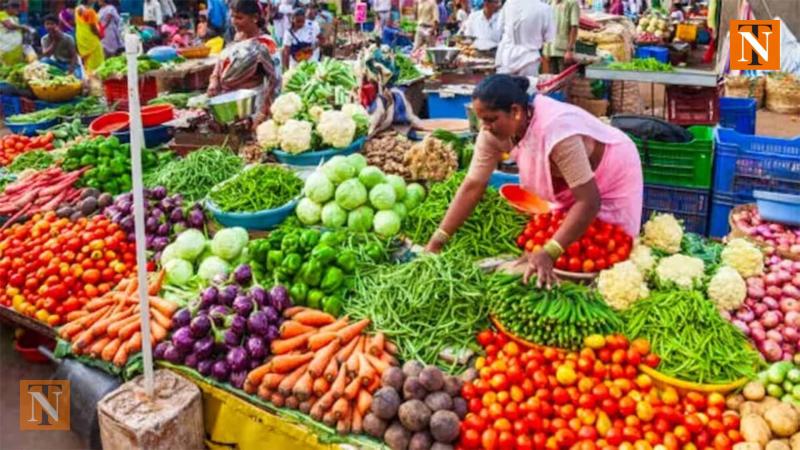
197,173
256,189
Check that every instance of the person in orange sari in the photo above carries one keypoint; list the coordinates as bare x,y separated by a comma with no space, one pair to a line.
88,35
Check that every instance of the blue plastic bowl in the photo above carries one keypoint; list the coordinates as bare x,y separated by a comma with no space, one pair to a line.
314,158
262,220
499,178
162,53
153,136
30,129
778,207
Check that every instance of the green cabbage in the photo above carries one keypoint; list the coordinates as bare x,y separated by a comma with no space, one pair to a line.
212,266
189,244
308,211
360,219
338,169
179,271
228,243
351,194
387,223
415,194
400,209
399,185
358,161
371,176
382,196
318,187
333,216
168,254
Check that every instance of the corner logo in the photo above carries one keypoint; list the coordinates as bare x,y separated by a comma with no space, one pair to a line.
755,44
44,405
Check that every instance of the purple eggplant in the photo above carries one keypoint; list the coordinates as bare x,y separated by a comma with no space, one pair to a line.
279,297
125,204
237,378
237,359
163,230
273,332
204,367
272,315
243,305
167,204
220,370
191,360
260,296
203,347
181,318
127,224
182,339
258,324
159,243
256,348
230,338
176,215
196,218
200,326
158,351
151,225
172,354
238,324
158,215
131,236
219,279
228,294
158,192
208,297
254,364
243,275
218,313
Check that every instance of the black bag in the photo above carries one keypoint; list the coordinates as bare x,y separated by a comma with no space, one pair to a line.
647,128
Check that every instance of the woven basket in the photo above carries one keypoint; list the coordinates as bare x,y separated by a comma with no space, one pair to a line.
626,98
746,87
783,94
580,88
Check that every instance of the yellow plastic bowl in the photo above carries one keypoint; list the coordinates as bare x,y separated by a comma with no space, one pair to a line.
56,94
682,386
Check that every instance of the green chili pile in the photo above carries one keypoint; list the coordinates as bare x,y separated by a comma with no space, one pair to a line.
562,316
36,160
257,188
429,304
693,340
491,230
197,173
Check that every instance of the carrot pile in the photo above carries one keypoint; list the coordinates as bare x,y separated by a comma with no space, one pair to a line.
325,367
109,327
39,192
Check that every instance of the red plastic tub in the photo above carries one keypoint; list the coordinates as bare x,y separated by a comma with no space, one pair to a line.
108,123
155,115
27,346
116,91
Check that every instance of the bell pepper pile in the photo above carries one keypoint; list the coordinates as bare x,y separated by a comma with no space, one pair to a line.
593,399
14,145
51,266
602,246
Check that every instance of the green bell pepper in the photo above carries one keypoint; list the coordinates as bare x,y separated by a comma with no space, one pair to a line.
349,283
312,275
332,304
88,160
309,239
292,262
330,238
275,239
347,261
315,298
298,292
282,275
290,243
374,251
257,251
333,278
274,259
323,253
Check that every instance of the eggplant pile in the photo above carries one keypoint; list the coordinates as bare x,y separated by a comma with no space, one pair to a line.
166,215
227,331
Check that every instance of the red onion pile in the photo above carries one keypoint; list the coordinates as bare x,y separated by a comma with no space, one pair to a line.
770,315
776,236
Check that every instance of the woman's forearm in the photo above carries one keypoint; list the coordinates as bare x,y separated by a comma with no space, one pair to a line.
578,219
467,197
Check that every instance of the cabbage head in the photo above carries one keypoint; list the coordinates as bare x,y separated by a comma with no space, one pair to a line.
400,209
212,266
338,169
382,196
351,194
318,187
333,216
360,219
228,243
189,244
386,223
415,194
358,161
179,271
399,185
308,211
168,254
371,176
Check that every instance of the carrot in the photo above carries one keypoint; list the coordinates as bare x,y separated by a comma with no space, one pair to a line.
264,393
288,363
290,312
374,386
127,331
389,359
320,340
135,342
70,329
322,405
292,402
75,315
351,391
314,318
97,347
100,327
282,346
331,371
365,371
165,306
256,375
292,328
346,351
343,425
353,330
303,387
160,318
277,399
328,419
157,331
87,321
97,303
121,356
340,323
286,386
341,408
249,387
130,289
338,385
376,344
376,363
155,286
322,357
83,337
305,406
321,386
352,361
390,347
111,349
114,329
357,425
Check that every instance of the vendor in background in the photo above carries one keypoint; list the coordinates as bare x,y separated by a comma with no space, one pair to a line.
58,48
66,18
283,18
560,53
527,26
11,51
676,12
383,9
88,37
301,41
428,20
565,156
259,73
111,23
484,26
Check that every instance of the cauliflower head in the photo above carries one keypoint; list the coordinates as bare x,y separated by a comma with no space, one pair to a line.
684,272
663,232
622,285
295,136
743,256
267,135
727,289
642,256
286,107
316,112
336,128
354,109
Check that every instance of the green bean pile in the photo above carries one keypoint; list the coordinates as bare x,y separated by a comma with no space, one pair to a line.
429,304
693,340
560,317
491,230
197,173
257,188
36,160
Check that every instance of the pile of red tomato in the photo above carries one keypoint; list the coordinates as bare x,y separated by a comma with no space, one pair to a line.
50,266
14,145
595,399
602,246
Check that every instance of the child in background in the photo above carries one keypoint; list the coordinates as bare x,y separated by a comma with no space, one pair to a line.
169,29
184,36
202,30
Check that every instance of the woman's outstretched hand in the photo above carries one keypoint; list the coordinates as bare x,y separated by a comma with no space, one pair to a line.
539,263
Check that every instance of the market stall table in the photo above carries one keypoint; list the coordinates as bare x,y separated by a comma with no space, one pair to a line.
189,75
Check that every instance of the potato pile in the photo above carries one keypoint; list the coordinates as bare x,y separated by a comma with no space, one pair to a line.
766,422
418,407
387,151
431,160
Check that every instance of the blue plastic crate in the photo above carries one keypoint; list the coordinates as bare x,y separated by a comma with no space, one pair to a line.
395,38
41,104
738,113
558,95
744,163
689,205
450,106
11,105
660,54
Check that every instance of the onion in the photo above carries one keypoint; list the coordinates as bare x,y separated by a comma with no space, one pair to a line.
792,319
771,279
741,326
774,291
760,309
745,314
796,280
770,302
775,335
790,334
770,319
757,334
784,276
755,292
789,304
785,264
790,290
771,350
750,302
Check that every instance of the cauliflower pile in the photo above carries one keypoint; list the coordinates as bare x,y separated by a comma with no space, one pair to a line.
727,289
295,136
642,256
622,285
267,135
743,256
336,128
685,272
663,232
286,107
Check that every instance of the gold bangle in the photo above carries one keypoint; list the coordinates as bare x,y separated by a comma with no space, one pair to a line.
442,234
553,248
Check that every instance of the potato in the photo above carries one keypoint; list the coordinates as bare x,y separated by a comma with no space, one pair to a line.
734,402
374,425
385,403
794,442
439,400
413,389
444,426
394,378
397,437
440,446
414,415
452,385
469,375
747,446
421,440
783,420
755,429
412,368
777,444
754,391
460,407
432,378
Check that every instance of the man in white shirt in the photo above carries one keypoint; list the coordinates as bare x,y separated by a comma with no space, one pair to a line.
527,25
484,26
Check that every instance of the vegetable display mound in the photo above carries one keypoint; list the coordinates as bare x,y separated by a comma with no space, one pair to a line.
694,341
562,316
14,145
257,188
773,236
42,115
642,65
491,229
432,303
117,66
35,160
195,175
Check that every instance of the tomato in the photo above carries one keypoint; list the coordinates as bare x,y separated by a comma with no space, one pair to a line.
560,396
489,439
574,264
485,338
562,263
523,442
730,421
505,440
470,438
652,360
696,399
627,406
588,266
